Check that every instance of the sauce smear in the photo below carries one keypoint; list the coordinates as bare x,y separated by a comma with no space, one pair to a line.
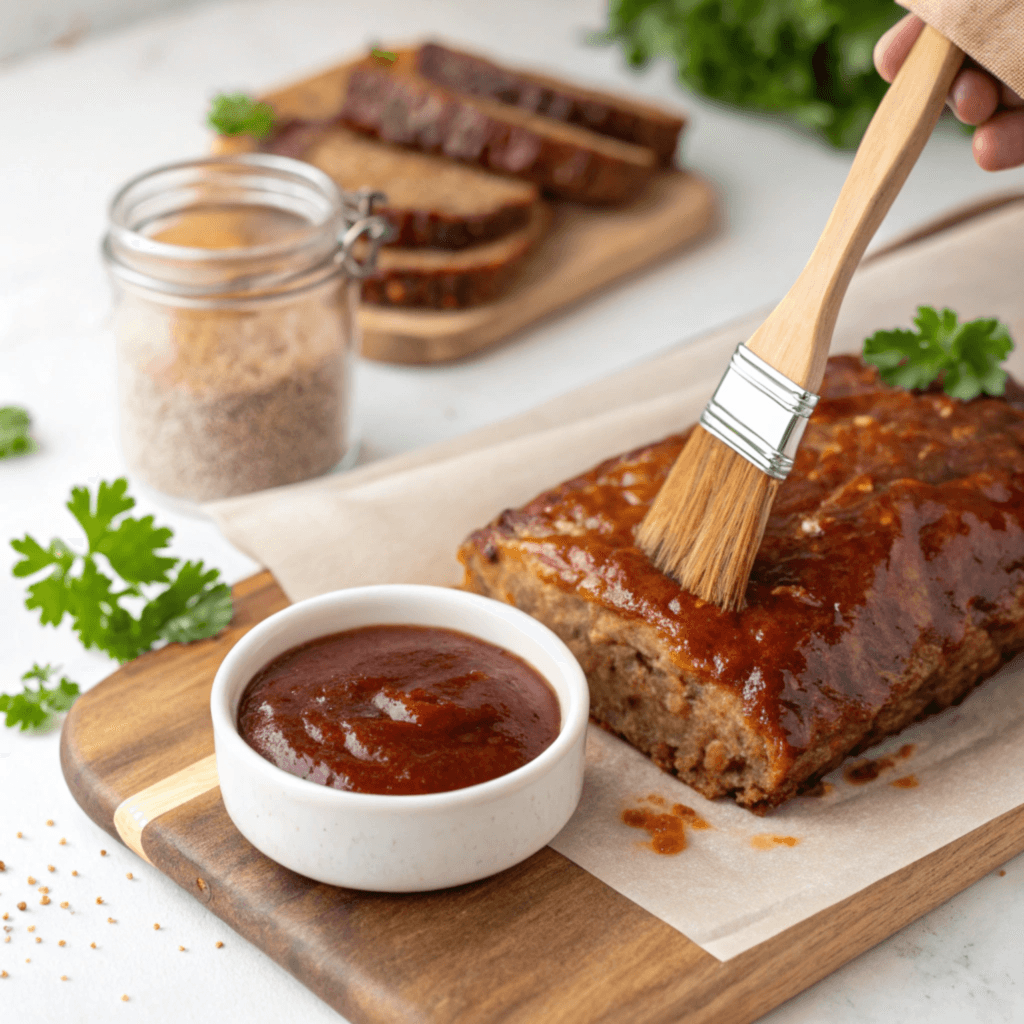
399,710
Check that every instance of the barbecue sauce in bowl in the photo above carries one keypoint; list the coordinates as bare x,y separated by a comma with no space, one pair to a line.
398,710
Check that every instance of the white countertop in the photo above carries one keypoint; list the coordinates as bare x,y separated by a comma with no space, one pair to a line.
79,122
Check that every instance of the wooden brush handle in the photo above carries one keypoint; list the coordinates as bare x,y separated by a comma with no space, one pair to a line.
796,336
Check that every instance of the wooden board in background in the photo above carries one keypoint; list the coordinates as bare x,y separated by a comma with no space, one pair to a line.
542,942
588,248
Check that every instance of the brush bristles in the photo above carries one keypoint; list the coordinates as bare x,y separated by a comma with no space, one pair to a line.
708,519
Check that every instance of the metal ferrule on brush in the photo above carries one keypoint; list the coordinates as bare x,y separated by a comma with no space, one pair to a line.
759,413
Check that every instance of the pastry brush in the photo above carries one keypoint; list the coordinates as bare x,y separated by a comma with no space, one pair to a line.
708,519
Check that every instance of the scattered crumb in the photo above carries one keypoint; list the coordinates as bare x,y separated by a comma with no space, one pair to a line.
38,939
31,927
1002,874
20,835
6,915
92,945
156,927
75,873
64,905
99,899
31,880
49,821
63,977
62,943
50,867
3,866
7,938
111,920
103,853
129,876
768,841
124,999
218,944
182,949
44,889
905,782
201,884
63,841
3,974
28,959
44,901
22,905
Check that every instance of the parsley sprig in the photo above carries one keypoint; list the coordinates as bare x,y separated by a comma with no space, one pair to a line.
36,708
14,439
964,357
238,114
191,605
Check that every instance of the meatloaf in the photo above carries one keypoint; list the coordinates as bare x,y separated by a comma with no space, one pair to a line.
890,582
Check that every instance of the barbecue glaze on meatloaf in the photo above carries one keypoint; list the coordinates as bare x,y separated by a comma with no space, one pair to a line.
889,583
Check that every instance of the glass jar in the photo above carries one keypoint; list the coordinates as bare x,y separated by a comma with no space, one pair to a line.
235,322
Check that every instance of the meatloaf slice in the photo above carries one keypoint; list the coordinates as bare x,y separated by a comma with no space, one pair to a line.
441,279
606,113
397,104
889,583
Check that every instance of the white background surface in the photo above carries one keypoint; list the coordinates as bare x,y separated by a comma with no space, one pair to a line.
76,123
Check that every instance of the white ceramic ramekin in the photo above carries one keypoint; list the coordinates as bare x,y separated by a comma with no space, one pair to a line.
400,843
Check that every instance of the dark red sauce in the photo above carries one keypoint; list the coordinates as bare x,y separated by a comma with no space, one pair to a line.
398,709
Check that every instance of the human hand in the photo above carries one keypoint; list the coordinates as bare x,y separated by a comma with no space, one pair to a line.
976,98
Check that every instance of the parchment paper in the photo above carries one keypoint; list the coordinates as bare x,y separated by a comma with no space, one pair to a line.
402,521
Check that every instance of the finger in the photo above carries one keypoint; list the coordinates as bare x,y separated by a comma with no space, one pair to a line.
1008,98
891,49
974,96
999,142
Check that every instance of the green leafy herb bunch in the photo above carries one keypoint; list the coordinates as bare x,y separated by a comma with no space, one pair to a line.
809,60
123,595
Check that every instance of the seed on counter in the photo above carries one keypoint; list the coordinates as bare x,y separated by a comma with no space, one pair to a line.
49,821
124,999
218,944
20,836
99,899
63,977
62,943
75,873
156,927
129,876
50,867
103,853
22,905
64,905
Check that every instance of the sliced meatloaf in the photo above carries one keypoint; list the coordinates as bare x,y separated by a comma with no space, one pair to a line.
629,120
889,583
440,279
395,103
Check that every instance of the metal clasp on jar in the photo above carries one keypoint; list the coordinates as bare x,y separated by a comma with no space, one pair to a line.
361,220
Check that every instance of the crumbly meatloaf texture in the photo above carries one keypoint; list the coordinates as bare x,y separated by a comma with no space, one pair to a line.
441,279
398,105
890,582
629,120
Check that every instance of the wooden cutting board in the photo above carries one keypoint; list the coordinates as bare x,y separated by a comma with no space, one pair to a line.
542,942
586,249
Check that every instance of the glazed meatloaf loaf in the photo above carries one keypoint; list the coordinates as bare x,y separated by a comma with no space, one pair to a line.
889,583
